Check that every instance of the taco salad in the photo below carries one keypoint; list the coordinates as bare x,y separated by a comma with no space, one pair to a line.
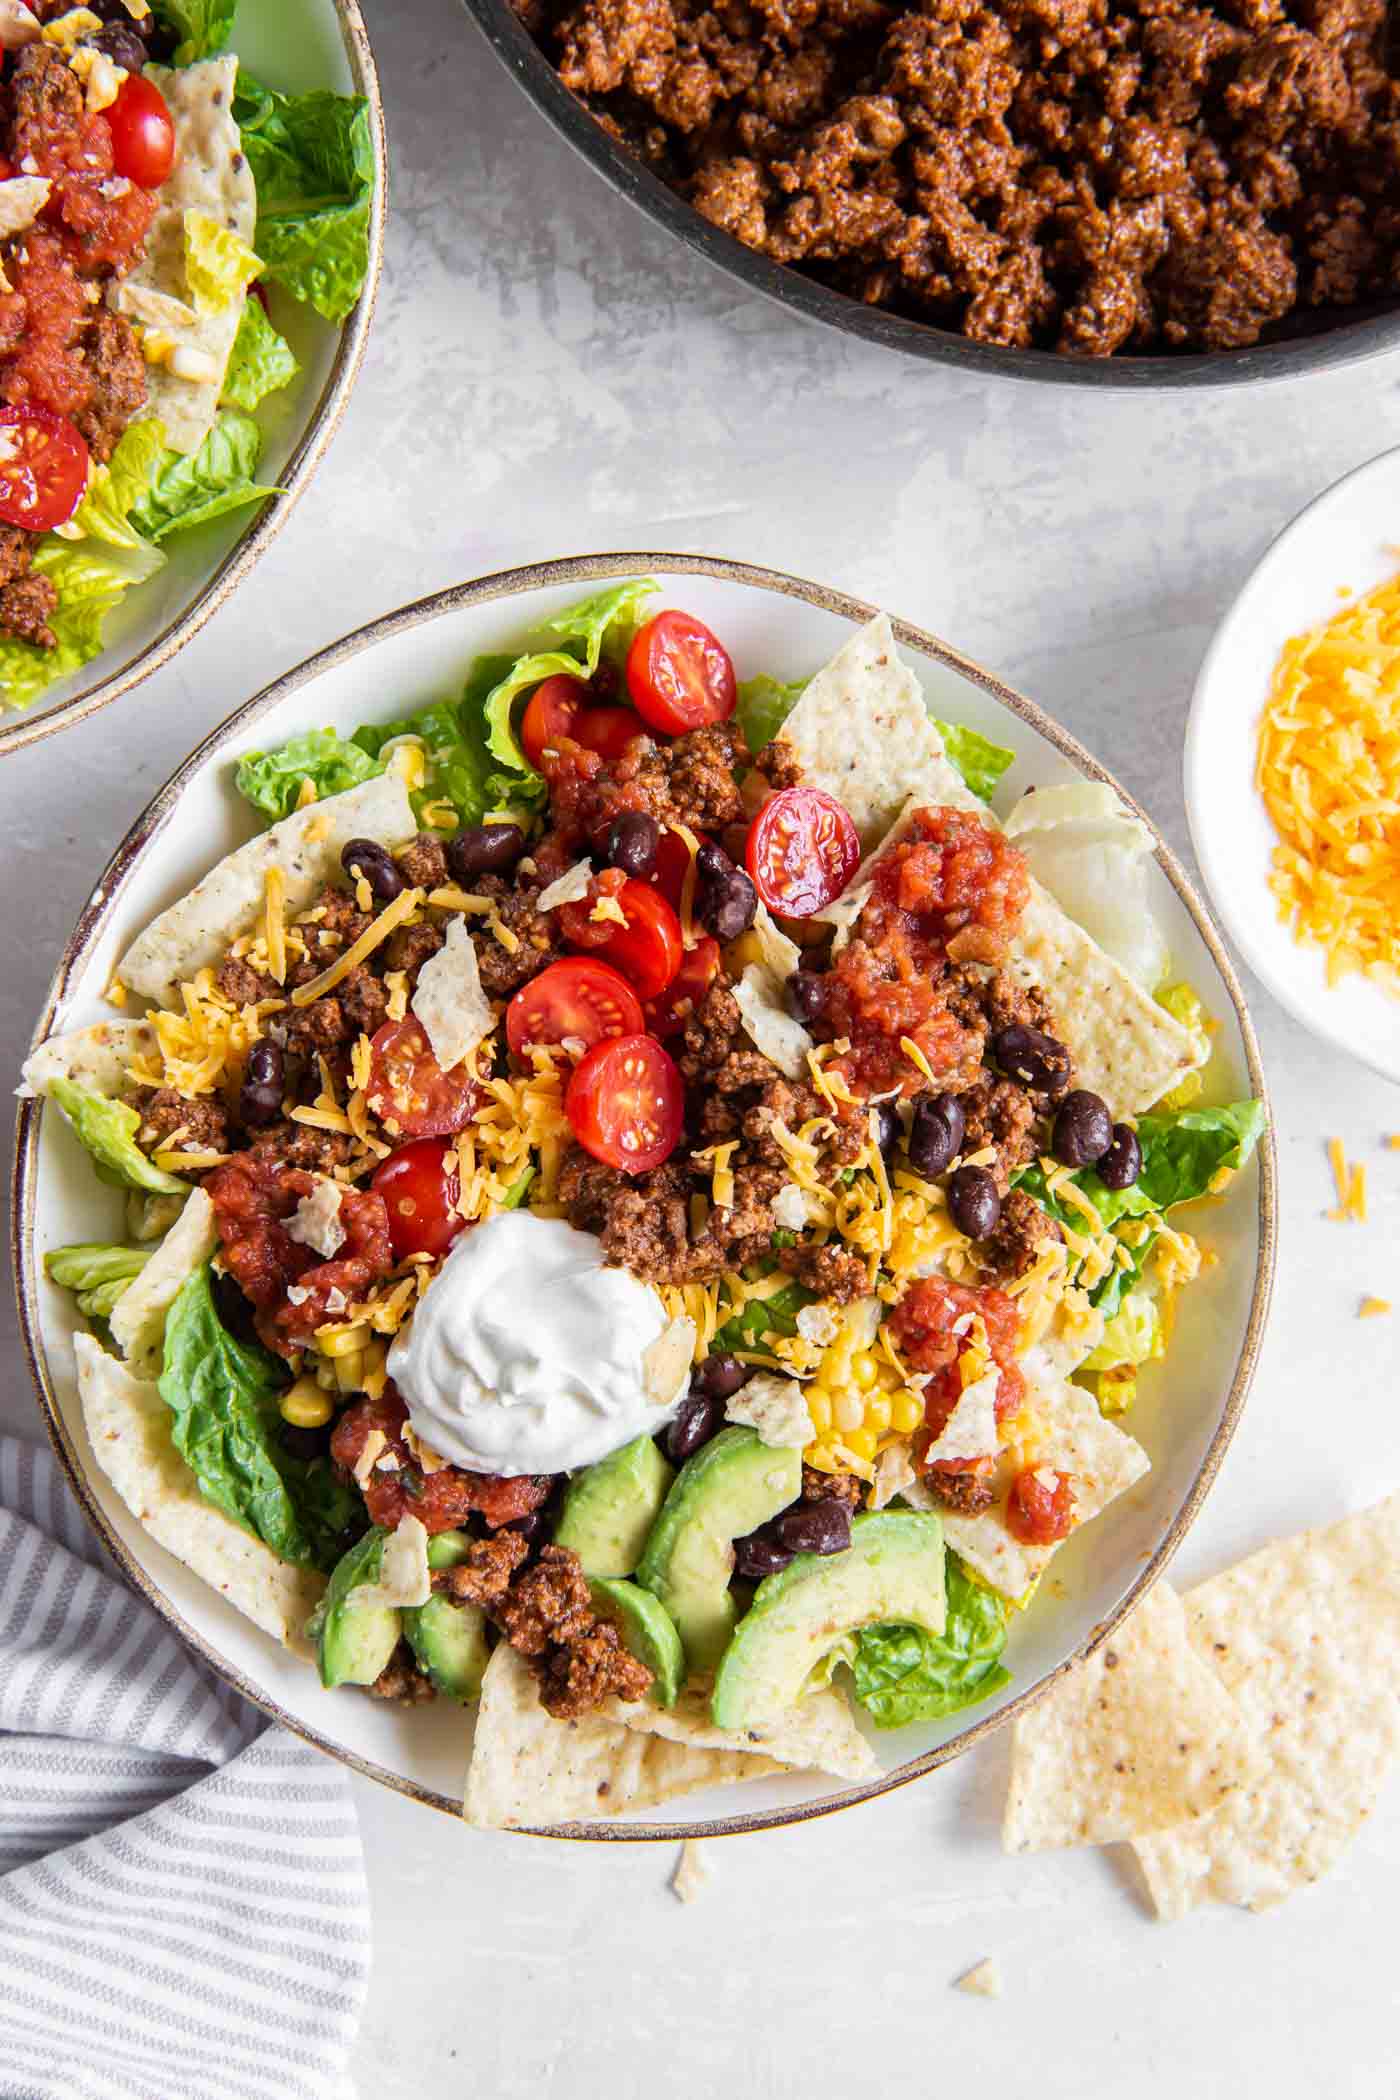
645,1206
157,203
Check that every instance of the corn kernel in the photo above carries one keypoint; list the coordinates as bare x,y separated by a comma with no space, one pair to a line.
822,1457
878,1412
349,1371
819,1407
906,1412
343,1341
864,1369
304,1405
849,1411
861,1442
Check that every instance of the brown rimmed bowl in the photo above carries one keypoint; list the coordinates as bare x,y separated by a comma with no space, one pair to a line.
316,43
1309,339
788,627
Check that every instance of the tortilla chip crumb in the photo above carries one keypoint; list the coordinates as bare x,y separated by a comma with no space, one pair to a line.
984,1981
1373,1308
692,1871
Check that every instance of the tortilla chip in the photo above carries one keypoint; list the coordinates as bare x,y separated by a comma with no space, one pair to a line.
780,953
981,1981
138,1317
1305,1636
1141,1737
818,1735
97,1058
128,1426
211,175
862,731
195,933
529,1771
666,1362
1074,1438
448,999
769,1026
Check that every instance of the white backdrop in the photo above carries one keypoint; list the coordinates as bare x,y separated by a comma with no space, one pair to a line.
548,375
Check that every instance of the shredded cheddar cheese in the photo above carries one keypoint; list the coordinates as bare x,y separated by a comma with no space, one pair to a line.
392,916
1373,1308
1328,769
1350,1184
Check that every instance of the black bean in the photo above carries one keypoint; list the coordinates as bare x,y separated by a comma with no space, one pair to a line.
694,1423
529,1526
936,1133
264,1081
484,849
712,862
1033,1058
120,42
303,1443
720,1377
823,1526
887,1126
632,843
761,1553
806,994
377,864
1083,1129
1122,1163
974,1202
726,900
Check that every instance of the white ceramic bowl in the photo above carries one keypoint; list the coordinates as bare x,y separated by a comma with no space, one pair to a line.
1347,539
312,44
770,622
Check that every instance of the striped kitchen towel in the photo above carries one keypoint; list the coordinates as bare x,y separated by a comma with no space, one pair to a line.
183,1912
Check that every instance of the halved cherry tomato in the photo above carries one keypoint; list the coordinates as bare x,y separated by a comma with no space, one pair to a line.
802,851
420,1185
43,468
607,730
408,1089
143,133
550,714
578,997
678,676
672,860
648,949
625,1103
669,1014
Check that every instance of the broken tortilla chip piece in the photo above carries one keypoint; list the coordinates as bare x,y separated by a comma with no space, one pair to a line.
817,1735
529,1771
1141,1737
770,1027
1305,1636
128,1426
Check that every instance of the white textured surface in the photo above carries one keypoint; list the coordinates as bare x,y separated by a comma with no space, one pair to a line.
548,375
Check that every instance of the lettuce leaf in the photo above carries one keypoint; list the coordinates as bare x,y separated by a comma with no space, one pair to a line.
84,1266
272,780
203,26
764,706
1133,1336
777,1315
903,1674
980,761
313,161
1184,1154
606,621
223,1395
260,362
107,1129
191,488
219,267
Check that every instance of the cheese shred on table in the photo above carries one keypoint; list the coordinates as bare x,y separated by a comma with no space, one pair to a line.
1328,769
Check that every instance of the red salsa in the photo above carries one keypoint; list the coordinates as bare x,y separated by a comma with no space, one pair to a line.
931,1327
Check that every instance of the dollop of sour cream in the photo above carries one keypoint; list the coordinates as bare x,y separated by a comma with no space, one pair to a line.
527,1355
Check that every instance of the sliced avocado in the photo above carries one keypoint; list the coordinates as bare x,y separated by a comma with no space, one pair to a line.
648,1632
892,1572
609,1508
732,1485
353,1642
449,1639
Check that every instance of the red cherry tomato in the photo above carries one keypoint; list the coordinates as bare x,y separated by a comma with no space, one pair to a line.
43,468
408,1089
625,1103
648,949
669,1014
607,730
576,998
552,709
802,851
678,676
420,1185
1040,1507
672,860
143,133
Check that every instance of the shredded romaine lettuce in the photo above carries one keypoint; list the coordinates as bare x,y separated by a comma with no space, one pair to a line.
260,363
107,1129
764,706
976,757
83,1267
313,161
1133,1336
606,621
190,489
273,780
903,1674
203,26
219,267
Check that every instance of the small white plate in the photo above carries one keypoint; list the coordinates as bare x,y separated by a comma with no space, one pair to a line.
1348,539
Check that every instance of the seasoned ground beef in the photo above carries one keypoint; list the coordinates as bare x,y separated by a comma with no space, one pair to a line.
547,1614
424,863
16,550
537,934
832,1487
831,1271
26,608
484,1576
401,1679
1023,1229
1002,1116
644,1224
299,1145
195,1126
968,1491
117,372
1080,175
409,947
701,765
244,985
